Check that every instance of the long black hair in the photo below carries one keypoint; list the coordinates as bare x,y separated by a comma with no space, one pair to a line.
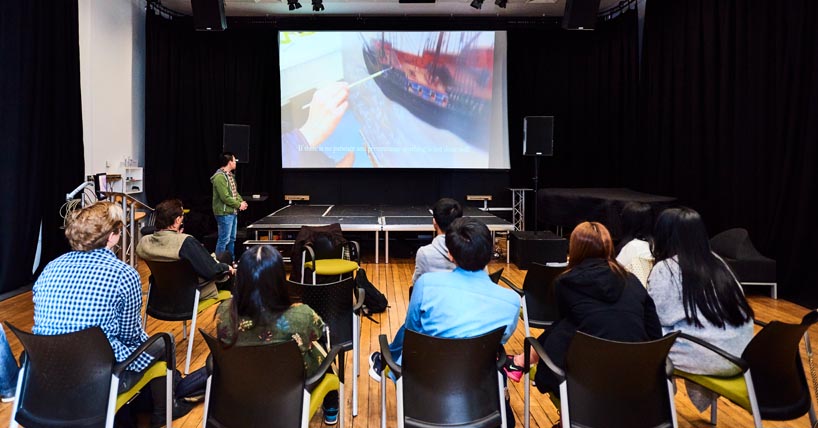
637,223
708,285
260,285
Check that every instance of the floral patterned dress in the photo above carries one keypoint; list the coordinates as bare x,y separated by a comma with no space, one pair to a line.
299,323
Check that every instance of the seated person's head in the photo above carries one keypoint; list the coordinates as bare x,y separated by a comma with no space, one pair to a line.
469,243
95,226
637,221
260,284
591,239
167,212
680,232
445,212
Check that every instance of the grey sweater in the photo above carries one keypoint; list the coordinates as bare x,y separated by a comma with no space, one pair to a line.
432,258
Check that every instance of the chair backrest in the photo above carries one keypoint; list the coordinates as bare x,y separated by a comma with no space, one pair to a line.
333,302
538,287
775,366
173,289
255,386
451,382
618,384
66,379
734,244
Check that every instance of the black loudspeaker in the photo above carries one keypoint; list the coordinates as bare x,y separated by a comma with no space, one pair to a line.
208,15
541,247
538,135
580,14
236,140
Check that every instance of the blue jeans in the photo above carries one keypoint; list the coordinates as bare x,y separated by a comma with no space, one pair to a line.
227,234
8,367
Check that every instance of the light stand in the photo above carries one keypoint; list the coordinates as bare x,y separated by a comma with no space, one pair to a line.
536,179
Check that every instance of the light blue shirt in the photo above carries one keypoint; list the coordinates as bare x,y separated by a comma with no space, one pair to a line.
461,304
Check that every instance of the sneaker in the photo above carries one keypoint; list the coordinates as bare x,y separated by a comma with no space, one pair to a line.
7,399
331,416
180,408
513,371
375,365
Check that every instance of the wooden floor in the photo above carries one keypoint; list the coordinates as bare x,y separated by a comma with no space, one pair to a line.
394,279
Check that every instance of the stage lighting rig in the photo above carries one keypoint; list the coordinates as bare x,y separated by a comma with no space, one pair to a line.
501,3
317,5
477,4
293,4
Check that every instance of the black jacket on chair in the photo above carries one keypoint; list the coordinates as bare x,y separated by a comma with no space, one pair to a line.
593,299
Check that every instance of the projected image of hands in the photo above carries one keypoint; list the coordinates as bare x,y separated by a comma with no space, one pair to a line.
393,100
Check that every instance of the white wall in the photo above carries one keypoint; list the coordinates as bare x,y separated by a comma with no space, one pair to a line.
112,78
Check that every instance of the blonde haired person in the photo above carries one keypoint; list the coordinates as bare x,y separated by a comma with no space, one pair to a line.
90,287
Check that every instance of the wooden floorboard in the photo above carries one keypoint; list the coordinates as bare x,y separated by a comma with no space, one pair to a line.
393,279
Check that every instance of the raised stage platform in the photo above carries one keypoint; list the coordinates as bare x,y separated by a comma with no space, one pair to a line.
366,218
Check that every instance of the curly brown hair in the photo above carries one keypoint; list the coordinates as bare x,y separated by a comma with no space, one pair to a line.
88,229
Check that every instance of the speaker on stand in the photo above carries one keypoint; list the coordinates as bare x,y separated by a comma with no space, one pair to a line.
538,141
208,15
580,14
236,140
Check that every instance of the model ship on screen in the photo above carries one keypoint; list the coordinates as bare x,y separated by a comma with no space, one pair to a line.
447,81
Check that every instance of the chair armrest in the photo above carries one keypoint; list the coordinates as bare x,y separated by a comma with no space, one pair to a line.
312,381
360,294
511,285
170,352
743,365
307,249
531,342
760,323
387,356
501,357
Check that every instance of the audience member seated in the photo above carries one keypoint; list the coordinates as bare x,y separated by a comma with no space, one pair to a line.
433,257
696,293
461,303
170,244
262,312
90,286
597,296
633,251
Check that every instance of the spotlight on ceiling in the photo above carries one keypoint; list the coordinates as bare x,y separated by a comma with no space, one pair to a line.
477,4
293,4
501,3
317,5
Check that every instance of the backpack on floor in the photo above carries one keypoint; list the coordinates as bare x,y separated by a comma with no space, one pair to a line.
374,301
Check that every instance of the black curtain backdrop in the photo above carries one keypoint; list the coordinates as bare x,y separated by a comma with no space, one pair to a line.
41,129
730,122
196,82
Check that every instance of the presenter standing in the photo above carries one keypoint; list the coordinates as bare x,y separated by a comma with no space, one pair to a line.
226,204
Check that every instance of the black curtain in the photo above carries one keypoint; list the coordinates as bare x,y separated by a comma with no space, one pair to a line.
41,128
587,80
730,122
195,83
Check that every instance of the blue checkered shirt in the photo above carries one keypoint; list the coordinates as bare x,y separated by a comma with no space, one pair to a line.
81,289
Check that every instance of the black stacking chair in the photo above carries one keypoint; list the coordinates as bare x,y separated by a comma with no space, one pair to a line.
339,305
538,307
772,384
263,386
447,382
750,266
608,384
71,380
173,295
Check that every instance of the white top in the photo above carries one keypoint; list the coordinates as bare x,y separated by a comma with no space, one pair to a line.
637,259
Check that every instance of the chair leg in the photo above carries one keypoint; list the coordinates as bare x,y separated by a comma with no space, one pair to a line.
753,401
184,329
305,409
169,396
527,399
775,291
341,404
812,419
671,390
206,401
399,399
192,331
383,399
502,396
109,414
356,356
714,410
13,421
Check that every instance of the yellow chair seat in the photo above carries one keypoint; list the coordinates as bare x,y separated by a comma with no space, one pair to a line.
733,388
158,369
332,266
329,383
223,295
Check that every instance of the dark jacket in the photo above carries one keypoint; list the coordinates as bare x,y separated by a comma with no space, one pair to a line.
593,299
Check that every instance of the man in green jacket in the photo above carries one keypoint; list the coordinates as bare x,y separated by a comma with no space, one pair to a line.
226,203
